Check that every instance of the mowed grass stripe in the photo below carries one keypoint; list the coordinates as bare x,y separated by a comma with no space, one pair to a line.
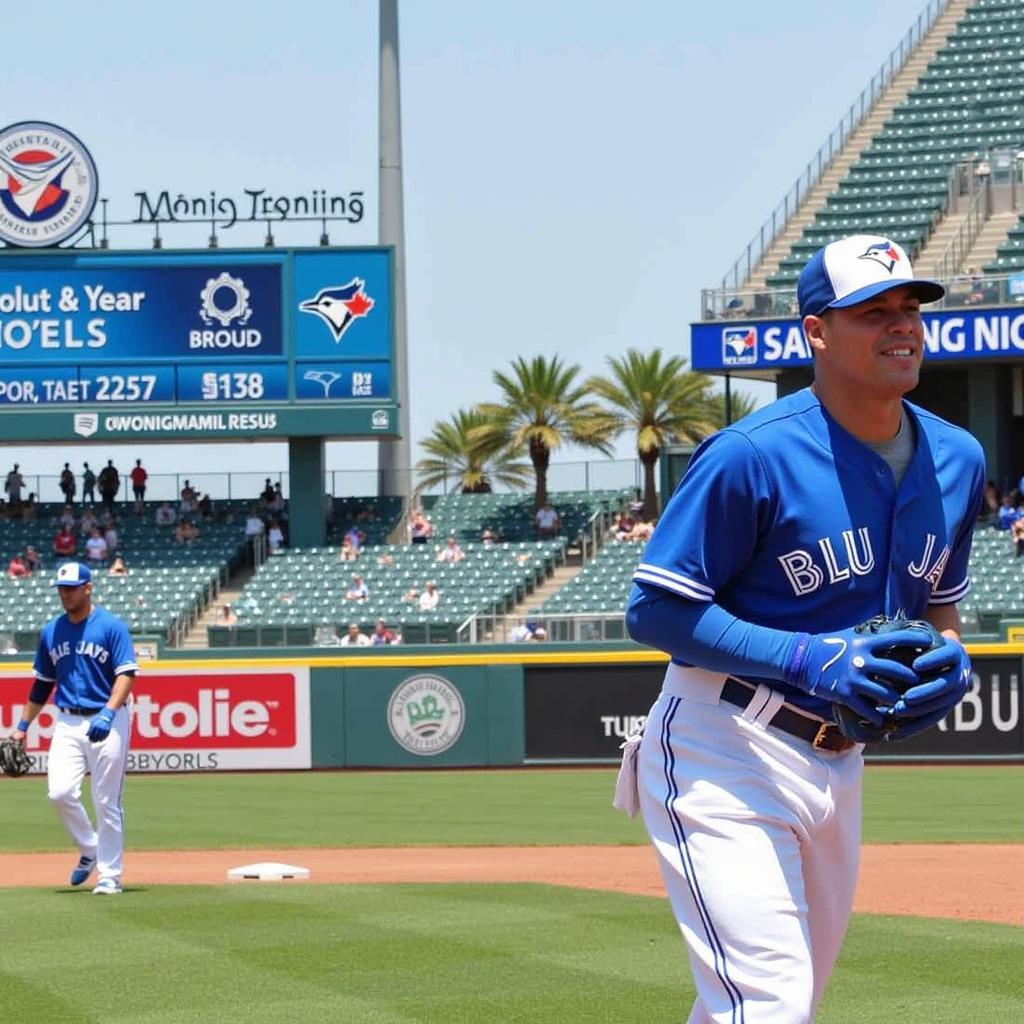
482,808
463,954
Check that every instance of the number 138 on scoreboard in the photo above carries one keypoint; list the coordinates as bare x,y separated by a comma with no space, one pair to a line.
231,384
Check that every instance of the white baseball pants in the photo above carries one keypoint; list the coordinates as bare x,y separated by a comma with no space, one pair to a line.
758,837
71,756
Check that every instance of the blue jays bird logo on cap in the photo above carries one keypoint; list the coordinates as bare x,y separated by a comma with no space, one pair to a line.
339,306
739,345
884,253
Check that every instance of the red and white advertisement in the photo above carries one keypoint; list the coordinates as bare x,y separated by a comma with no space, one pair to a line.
192,719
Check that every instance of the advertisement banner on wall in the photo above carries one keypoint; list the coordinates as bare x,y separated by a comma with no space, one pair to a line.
194,720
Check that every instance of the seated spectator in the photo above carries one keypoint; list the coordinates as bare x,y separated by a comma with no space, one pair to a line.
539,632
347,553
623,526
411,596
165,515
117,567
89,520
488,537
111,537
1009,511
430,598
275,537
189,502
521,634
67,517
420,528
28,508
64,543
451,552
206,507
989,511
186,532
385,560
357,591
226,617
254,525
381,635
354,637
96,547
17,569
546,523
32,559
642,531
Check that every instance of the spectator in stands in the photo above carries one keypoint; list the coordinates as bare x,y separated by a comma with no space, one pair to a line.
109,483
118,567
411,596
188,500
546,522
539,632
366,514
226,617
139,477
254,529
355,637
381,635
451,552
17,569
67,484
89,520
347,552
206,508
96,547
521,633
430,598
276,503
420,527
267,494
1009,511
642,531
32,559
64,544
13,485
275,537
165,515
88,483
28,508
989,513
111,537
358,590
384,560
67,517
355,538
623,526
186,532
488,538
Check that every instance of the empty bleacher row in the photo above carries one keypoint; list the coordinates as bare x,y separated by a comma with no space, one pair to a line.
968,102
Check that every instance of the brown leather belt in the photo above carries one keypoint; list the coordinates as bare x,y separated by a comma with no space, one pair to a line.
820,735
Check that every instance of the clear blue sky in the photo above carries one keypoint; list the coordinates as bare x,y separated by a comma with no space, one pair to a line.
574,172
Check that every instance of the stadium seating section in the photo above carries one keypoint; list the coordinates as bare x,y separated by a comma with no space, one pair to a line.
968,102
602,586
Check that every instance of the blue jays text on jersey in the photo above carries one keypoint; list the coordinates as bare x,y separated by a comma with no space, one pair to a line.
84,658
788,521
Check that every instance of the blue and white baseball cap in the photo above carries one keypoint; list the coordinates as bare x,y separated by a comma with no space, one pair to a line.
72,574
856,268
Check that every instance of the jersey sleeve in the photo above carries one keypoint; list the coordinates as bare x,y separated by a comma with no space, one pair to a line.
43,666
710,527
121,648
955,581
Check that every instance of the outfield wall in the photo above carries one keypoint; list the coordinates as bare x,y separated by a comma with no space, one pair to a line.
456,707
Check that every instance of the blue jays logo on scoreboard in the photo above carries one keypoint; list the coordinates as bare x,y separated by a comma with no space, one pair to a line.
48,184
739,346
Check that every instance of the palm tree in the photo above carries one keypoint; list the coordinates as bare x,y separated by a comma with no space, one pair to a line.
741,403
452,453
544,407
660,401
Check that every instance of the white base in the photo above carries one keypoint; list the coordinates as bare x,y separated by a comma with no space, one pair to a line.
267,871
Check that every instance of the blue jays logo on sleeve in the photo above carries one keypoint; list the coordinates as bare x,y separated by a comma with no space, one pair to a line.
739,345
884,254
339,306
48,184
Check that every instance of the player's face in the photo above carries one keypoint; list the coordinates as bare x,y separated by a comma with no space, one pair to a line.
76,600
873,349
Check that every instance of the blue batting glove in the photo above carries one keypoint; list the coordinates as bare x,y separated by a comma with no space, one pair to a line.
947,675
843,666
99,725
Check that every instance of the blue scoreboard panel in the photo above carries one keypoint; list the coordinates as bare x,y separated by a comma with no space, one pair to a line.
210,344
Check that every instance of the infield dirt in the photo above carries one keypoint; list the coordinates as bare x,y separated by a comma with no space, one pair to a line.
965,882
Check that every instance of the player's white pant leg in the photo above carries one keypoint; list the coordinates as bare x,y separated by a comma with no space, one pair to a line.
107,763
66,767
729,806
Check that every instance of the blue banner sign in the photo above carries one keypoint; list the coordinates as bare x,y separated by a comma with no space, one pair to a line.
950,335
234,382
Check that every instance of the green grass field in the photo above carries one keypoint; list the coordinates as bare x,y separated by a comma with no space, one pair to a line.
422,954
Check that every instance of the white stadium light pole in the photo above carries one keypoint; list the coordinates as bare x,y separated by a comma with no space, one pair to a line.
394,459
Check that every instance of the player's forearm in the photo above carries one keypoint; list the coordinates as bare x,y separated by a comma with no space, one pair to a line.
29,715
945,618
705,634
122,688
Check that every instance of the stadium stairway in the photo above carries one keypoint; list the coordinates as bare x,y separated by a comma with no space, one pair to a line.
197,638
562,575
991,236
892,96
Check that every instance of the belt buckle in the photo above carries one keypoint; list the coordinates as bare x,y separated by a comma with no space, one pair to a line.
819,737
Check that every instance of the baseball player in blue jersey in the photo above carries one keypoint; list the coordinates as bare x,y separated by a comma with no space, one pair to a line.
87,652
833,505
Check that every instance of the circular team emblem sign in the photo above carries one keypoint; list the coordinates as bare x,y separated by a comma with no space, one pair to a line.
426,715
48,184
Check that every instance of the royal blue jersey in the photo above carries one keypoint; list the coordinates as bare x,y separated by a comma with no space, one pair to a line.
786,520
84,658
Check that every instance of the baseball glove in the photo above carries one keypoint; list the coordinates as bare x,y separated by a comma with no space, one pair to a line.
13,759
846,719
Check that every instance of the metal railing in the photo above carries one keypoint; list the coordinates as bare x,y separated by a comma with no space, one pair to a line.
577,627
953,256
776,223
